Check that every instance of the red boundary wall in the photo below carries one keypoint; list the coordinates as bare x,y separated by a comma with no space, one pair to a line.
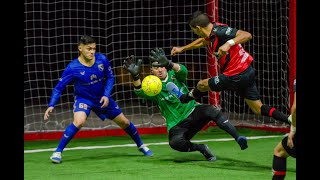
120,132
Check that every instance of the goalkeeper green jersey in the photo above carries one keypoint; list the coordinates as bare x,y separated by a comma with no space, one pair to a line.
170,106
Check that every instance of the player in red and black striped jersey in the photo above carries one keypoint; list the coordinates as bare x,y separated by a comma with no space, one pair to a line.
235,64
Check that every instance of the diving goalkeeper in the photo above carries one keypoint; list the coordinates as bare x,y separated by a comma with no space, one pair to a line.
183,120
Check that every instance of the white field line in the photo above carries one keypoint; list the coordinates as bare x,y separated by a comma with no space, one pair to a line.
148,144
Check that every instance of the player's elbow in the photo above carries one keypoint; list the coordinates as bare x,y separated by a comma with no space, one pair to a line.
245,35
249,36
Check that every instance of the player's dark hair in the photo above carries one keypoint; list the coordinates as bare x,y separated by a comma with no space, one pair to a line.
198,18
86,40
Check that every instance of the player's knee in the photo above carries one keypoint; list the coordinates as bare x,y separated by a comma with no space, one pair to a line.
256,109
79,123
203,86
214,113
80,118
125,124
178,144
122,121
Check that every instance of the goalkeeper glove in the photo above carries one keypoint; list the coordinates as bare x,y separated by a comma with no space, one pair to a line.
157,55
130,64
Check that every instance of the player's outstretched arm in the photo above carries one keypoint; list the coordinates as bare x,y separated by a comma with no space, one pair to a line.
133,67
158,55
200,42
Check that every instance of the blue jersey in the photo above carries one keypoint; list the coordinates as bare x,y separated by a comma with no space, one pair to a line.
89,82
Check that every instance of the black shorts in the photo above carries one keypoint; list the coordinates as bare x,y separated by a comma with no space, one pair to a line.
244,84
291,152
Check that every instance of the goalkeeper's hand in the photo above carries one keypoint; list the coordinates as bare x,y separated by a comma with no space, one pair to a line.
130,64
157,55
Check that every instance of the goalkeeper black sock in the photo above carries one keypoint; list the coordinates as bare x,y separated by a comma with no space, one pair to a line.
185,98
279,168
274,113
225,125
195,94
198,94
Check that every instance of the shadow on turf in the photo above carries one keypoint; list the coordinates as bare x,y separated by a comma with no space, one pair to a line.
222,163
100,156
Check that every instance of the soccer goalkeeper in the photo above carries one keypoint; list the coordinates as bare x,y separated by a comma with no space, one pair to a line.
183,120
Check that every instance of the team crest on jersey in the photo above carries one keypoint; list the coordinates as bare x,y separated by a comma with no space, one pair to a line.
228,31
93,76
173,77
216,80
100,66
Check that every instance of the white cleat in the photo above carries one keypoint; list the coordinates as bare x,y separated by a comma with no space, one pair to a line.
56,157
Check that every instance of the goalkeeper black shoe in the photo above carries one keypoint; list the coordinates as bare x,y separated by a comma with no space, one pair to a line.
243,143
207,153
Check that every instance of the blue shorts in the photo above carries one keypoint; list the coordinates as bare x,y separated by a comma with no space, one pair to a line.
109,112
244,84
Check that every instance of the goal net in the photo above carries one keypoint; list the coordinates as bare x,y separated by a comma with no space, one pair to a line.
122,28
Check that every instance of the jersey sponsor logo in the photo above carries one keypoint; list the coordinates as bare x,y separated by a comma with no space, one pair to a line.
82,73
244,55
100,66
168,97
173,77
228,31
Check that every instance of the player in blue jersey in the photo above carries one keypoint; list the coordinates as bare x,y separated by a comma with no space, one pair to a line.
286,147
93,80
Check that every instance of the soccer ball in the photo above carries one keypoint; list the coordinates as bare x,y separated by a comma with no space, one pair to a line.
151,85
